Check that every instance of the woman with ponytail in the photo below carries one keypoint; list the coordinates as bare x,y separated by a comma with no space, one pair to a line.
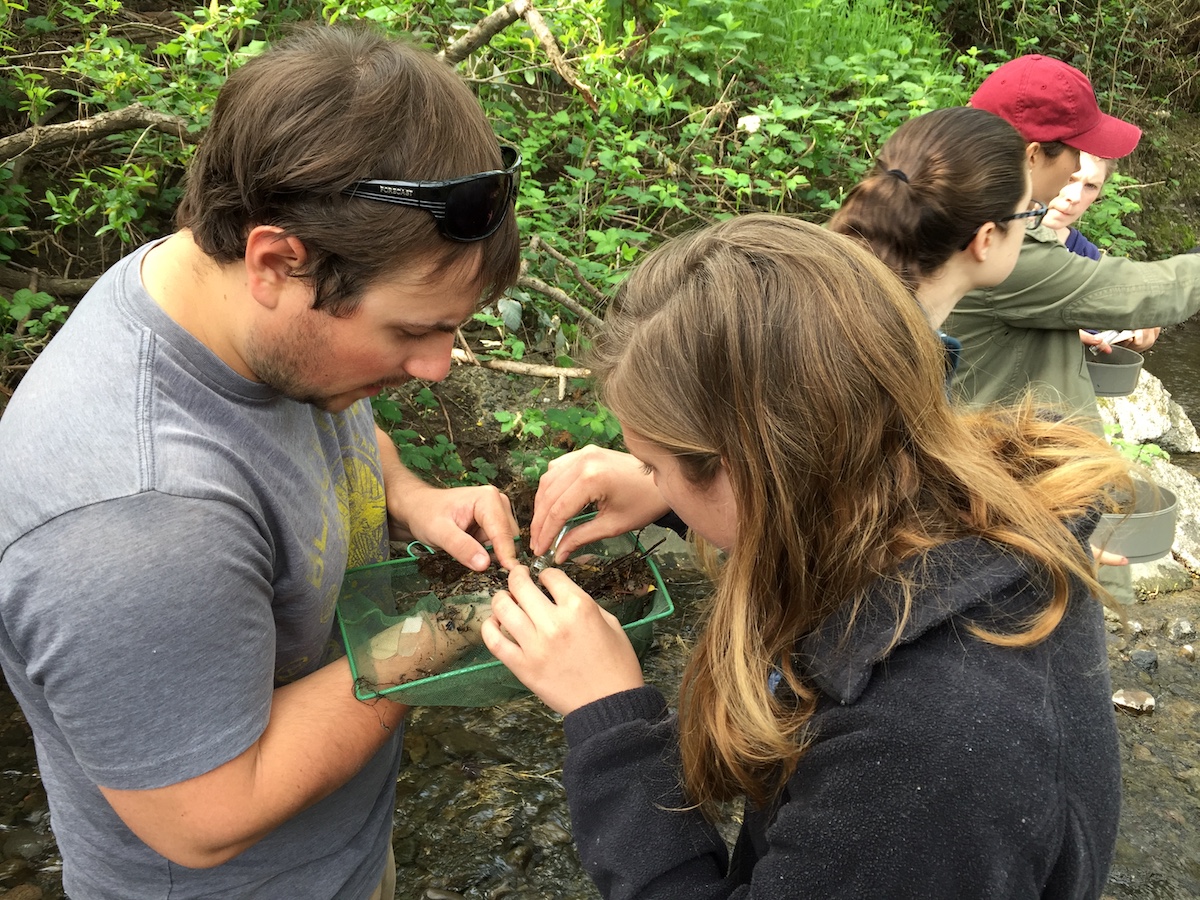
902,670
945,209
946,206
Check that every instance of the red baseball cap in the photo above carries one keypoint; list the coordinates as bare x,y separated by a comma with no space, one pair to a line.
1047,100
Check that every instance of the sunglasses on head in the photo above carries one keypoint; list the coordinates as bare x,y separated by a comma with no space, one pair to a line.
470,208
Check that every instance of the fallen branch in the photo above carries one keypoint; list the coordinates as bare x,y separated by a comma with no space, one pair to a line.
537,24
515,367
54,137
536,243
483,31
64,288
558,295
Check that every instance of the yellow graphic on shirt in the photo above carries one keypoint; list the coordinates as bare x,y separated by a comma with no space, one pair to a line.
364,512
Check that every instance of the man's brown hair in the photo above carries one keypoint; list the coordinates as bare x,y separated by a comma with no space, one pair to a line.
325,108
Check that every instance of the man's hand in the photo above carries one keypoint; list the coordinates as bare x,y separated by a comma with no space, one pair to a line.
456,520
422,645
1143,339
623,492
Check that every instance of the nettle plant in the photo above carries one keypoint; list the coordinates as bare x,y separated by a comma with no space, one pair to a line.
1132,450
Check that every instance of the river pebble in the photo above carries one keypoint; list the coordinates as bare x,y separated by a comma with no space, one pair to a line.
1145,660
1188,652
1182,630
26,843
1133,701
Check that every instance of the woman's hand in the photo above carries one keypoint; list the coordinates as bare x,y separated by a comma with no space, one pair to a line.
568,650
624,494
1105,558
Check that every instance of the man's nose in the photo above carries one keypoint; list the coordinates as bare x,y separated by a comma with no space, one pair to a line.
431,362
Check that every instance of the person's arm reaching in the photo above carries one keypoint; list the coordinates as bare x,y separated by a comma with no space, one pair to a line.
318,736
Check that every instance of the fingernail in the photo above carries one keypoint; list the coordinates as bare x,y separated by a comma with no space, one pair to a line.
480,561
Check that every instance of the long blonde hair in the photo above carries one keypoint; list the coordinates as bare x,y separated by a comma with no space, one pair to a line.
794,358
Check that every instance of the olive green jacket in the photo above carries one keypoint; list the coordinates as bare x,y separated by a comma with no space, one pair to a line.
1023,333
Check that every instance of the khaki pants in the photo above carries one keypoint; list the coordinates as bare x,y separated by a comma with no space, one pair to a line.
387,884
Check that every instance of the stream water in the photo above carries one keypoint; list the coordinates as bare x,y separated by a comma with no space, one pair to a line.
481,813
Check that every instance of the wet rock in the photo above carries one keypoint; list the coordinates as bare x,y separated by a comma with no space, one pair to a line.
1133,701
503,891
1160,576
1149,415
12,869
23,892
1145,660
460,743
519,857
26,843
1188,652
1181,630
1187,525
548,834
439,894
406,850
1142,753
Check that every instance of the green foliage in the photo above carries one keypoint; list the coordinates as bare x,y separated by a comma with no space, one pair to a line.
703,109
1104,222
27,320
1132,450
1124,47
544,434
804,33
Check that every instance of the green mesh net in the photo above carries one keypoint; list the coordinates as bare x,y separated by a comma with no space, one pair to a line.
377,599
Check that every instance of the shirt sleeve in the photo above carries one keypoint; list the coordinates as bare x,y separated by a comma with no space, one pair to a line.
889,801
1053,288
1079,245
151,635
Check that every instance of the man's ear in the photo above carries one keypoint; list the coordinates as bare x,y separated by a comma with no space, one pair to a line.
981,244
272,257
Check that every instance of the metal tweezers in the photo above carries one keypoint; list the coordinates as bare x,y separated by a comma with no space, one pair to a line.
546,560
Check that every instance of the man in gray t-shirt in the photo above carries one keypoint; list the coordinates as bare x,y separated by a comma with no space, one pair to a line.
192,464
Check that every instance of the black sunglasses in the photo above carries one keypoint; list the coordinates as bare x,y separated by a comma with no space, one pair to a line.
466,209
1034,215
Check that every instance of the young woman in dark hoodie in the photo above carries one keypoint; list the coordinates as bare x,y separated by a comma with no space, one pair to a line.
903,666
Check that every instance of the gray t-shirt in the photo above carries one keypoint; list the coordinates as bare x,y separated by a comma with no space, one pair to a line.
172,540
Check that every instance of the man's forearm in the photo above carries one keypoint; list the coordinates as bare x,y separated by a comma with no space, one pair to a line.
319,735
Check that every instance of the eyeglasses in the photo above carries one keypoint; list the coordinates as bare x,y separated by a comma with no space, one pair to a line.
470,208
1034,215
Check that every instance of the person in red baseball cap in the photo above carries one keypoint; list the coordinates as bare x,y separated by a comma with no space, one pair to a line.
1022,335
1053,106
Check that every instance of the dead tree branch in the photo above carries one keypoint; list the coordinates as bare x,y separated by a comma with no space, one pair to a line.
516,367
534,20
483,31
536,243
54,137
64,288
558,295
493,23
